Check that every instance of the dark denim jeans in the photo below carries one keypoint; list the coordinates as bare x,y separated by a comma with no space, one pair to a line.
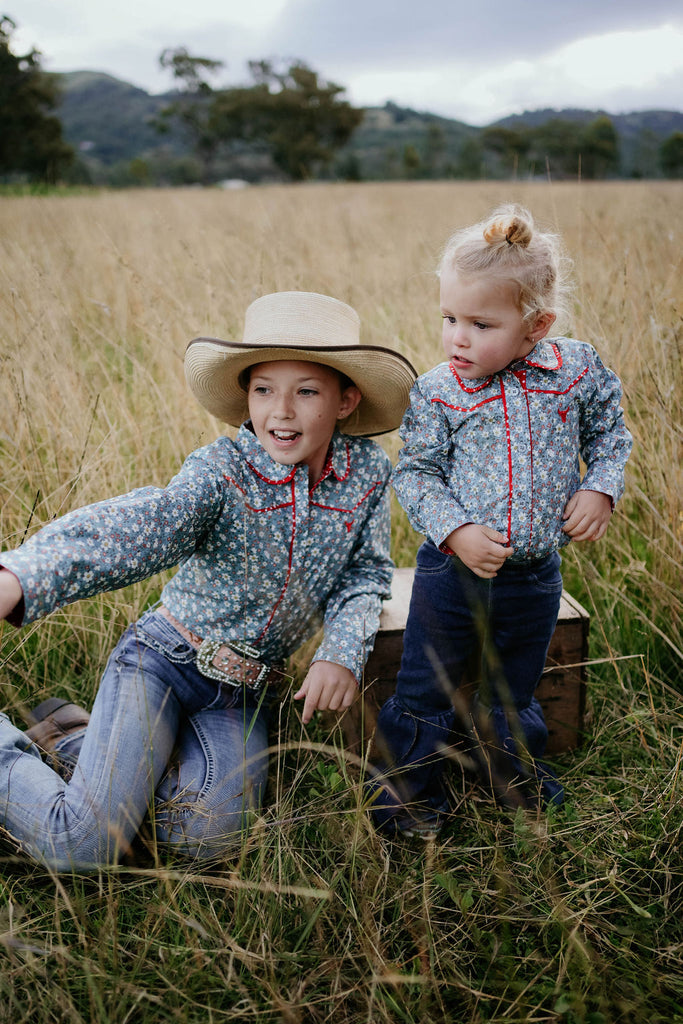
507,624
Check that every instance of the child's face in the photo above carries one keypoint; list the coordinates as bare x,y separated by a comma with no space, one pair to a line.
294,407
483,329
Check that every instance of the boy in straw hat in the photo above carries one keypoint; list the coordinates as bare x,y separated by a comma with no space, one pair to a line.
276,531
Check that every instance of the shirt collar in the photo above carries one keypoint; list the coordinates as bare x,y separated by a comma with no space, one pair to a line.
544,356
338,458
337,462
259,460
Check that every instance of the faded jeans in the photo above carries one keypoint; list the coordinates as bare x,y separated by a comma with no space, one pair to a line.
163,740
508,622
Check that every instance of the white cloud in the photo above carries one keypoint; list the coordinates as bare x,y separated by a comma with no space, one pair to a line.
614,72
473,61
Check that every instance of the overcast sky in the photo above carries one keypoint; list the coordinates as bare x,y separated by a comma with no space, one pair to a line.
474,60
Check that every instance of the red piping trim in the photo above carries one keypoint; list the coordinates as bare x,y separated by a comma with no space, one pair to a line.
549,391
542,366
470,391
289,566
234,483
509,444
253,508
463,408
522,381
328,468
267,479
336,508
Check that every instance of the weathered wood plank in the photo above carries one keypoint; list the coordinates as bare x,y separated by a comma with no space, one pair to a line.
561,690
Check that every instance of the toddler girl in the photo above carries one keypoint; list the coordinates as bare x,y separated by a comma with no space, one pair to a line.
490,472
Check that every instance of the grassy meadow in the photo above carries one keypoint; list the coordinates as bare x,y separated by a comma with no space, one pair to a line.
572,916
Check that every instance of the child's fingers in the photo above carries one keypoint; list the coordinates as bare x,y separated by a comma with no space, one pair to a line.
589,531
310,705
494,535
310,701
570,506
586,527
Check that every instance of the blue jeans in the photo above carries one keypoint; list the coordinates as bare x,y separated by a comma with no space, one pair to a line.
507,624
162,739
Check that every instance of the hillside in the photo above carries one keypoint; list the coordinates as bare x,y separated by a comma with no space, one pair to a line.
111,123
640,133
109,119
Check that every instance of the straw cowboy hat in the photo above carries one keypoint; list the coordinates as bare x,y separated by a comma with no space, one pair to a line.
312,328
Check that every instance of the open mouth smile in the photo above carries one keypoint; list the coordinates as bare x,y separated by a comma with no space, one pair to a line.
285,436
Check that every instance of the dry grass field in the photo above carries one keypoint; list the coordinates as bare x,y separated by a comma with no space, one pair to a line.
571,917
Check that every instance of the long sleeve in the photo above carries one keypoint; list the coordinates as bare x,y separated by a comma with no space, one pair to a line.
352,612
419,478
113,543
604,438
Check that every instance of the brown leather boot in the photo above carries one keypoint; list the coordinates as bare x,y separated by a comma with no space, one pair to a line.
54,719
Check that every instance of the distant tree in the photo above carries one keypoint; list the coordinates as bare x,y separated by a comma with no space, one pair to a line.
434,149
470,159
349,168
645,155
31,140
555,146
599,147
508,145
411,161
193,106
300,119
671,155
139,171
390,163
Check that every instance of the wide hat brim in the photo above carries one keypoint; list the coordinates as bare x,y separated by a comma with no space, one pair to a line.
289,326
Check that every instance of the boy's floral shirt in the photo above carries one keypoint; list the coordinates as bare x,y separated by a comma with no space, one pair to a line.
503,451
263,557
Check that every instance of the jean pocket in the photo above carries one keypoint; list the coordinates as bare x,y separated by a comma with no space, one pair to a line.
156,632
547,577
430,561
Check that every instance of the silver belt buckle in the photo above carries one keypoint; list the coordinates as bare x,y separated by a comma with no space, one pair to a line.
205,663
245,650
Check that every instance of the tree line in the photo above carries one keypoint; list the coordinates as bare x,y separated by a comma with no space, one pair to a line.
289,122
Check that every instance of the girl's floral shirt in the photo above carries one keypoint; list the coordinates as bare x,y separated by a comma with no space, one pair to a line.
264,558
504,451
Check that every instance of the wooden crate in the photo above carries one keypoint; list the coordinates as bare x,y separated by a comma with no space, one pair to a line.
562,690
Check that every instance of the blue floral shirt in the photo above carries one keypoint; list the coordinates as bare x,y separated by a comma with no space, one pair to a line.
263,556
503,451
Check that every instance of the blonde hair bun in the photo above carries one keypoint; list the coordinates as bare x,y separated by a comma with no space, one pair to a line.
514,228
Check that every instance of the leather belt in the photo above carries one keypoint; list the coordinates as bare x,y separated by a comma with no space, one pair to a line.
236,664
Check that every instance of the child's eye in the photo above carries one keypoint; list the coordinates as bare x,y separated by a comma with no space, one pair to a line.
478,324
451,319
307,391
260,389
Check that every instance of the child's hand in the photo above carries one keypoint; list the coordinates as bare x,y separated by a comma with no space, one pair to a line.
327,687
10,592
482,549
587,515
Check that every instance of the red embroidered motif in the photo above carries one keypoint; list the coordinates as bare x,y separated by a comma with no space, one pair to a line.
563,414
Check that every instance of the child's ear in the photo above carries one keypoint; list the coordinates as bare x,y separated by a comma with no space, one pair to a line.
542,324
350,398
